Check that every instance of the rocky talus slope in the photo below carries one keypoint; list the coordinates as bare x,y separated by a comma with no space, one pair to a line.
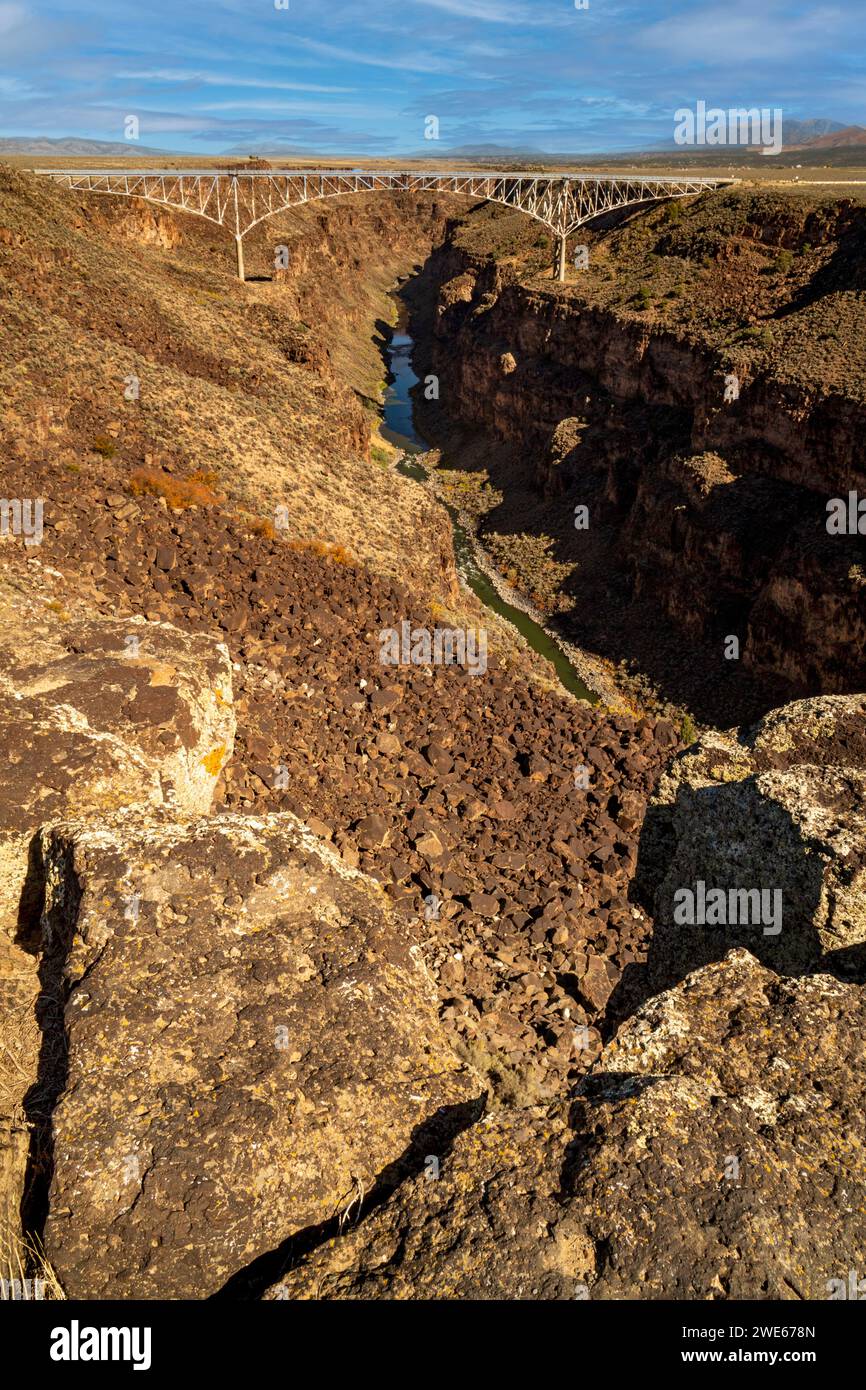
329,978
699,388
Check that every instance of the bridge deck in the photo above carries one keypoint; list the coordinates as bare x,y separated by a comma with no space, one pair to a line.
229,172
241,198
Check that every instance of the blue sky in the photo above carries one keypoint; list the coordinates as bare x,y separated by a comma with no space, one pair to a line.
360,76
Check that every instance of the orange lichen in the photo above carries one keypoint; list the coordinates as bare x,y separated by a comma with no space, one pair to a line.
214,760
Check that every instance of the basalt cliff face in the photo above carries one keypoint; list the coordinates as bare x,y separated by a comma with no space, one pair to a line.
329,977
704,421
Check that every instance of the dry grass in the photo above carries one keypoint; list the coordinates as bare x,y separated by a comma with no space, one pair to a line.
179,493
261,526
104,445
329,550
19,1045
25,1273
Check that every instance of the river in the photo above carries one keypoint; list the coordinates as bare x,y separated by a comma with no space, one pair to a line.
399,428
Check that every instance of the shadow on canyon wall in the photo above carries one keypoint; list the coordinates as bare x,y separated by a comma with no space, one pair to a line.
683,551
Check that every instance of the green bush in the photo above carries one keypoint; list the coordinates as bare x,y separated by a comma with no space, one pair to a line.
105,446
688,732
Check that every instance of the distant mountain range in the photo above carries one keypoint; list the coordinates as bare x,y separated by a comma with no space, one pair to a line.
821,135
71,145
818,134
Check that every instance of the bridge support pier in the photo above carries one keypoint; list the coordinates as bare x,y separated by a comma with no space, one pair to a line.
239,247
560,249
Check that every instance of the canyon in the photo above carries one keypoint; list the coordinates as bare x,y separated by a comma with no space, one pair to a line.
707,516
280,923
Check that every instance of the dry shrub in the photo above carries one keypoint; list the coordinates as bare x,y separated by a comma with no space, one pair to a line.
179,493
261,526
330,550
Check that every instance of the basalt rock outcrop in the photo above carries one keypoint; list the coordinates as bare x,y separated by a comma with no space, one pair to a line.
778,810
478,1218
249,1045
715,1151
705,427
99,714
719,1149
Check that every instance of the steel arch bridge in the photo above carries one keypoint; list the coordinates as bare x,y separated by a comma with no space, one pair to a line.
240,201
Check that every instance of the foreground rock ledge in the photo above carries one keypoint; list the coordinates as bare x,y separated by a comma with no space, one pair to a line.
723,1151
781,807
717,1151
98,715
249,1045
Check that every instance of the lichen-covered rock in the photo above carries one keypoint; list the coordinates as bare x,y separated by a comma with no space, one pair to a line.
476,1218
100,714
782,809
721,1149
95,714
251,1040
716,1151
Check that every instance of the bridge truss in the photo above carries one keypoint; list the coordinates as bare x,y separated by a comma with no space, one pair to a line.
240,201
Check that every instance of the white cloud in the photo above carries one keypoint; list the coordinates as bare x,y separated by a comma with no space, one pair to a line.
214,79
401,63
737,34
495,11
11,17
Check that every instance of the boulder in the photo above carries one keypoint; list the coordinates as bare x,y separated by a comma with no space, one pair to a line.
99,714
473,1218
95,714
721,1150
782,809
716,1151
251,1039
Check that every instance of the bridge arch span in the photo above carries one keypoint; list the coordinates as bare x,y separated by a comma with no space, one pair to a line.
241,201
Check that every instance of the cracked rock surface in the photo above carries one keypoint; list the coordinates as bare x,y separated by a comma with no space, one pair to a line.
248,1047
101,713
716,1151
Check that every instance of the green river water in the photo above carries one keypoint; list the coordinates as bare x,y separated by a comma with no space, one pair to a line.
400,429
